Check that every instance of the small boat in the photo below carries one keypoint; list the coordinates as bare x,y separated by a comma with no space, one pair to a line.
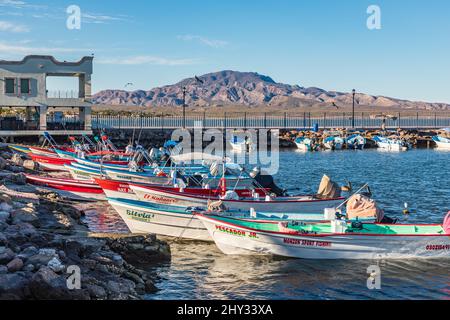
180,222
124,165
232,201
140,177
355,142
442,142
241,144
70,188
48,152
390,144
336,239
122,189
84,173
116,189
19,148
50,163
143,217
305,144
333,143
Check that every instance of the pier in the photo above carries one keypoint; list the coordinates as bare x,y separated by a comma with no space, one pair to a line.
302,121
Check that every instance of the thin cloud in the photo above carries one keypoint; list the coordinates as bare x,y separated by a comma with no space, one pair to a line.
7,26
203,40
18,4
152,60
101,18
12,49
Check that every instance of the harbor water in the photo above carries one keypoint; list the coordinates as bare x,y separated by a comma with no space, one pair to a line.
419,178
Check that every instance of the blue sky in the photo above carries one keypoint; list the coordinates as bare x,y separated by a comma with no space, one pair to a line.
310,43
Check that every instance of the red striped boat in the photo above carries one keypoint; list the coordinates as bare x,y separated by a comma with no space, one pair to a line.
121,189
57,164
70,188
50,163
289,204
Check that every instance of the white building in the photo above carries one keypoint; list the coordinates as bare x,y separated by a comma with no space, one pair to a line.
23,84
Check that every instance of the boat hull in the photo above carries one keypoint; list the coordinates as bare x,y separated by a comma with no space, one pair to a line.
50,163
70,188
237,240
302,207
141,219
442,145
116,189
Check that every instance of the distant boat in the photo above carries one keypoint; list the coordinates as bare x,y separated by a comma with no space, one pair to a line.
240,144
442,142
333,143
391,144
305,144
355,141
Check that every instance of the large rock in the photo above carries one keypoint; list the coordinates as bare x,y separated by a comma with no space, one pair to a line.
56,265
13,286
47,285
3,163
6,255
4,216
141,250
25,215
40,259
17,159
30,165
15,265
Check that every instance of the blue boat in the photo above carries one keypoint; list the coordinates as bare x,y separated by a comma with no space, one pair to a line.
306,144
356,142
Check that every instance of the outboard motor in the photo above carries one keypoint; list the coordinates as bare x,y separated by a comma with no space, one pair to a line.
267,182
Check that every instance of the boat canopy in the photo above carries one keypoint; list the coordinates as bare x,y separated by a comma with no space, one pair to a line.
328,189
198,157
360,206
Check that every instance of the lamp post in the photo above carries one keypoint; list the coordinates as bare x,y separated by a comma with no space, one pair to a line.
184,107
353,109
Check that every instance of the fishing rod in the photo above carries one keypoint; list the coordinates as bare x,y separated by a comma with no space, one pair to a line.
356,192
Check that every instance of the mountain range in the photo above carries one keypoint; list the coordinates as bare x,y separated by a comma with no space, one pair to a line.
249,89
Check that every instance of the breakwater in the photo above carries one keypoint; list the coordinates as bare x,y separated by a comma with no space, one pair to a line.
157,137
48,252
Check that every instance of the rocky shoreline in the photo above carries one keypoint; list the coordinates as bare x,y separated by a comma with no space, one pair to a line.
44,243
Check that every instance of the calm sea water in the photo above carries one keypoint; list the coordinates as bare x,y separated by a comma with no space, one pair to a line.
419,178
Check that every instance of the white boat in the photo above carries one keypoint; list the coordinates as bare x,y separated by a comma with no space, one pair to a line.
141,217
116,189
240,144
305,144
355,142
83,173
390,144
331,240
180,222
296,204
333,143
442,142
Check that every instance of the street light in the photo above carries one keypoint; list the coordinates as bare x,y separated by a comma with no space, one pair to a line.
353,109
184,107
197,81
